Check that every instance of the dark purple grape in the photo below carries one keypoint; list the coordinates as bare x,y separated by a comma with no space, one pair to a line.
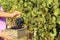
16,27
19,22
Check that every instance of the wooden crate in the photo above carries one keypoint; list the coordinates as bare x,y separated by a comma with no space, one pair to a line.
16,33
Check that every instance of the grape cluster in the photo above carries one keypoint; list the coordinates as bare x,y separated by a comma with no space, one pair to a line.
19,23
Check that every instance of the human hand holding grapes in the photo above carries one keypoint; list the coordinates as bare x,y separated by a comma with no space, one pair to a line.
16,14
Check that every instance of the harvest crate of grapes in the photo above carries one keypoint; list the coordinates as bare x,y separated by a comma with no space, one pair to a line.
16,33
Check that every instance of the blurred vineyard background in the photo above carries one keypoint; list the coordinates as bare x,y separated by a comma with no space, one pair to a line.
41,17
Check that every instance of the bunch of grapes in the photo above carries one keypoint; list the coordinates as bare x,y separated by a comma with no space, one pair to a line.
19,23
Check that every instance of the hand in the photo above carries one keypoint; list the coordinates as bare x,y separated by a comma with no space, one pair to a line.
15,13
6,36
